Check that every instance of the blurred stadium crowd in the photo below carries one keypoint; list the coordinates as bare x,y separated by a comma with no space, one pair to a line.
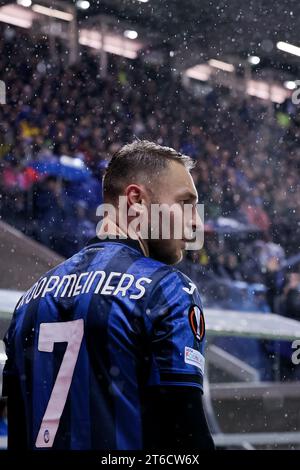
246,150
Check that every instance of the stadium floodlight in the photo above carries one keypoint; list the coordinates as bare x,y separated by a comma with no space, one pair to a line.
83,4
254,60
130,34
17,15
24,3
290,48
200,72
219,64
290,85
113,43
262,89
61,15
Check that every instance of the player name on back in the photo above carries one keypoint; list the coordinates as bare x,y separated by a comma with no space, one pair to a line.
96,282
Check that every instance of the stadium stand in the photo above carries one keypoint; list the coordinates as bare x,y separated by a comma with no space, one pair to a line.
59,117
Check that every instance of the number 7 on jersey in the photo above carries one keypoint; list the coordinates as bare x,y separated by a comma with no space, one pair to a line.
61,332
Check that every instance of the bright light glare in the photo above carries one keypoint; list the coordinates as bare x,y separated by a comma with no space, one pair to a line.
24,3
130,34
290,85
219,64
254,59
290,48
83,4
62,15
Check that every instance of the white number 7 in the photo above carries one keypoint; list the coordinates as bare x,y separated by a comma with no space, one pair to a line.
72,333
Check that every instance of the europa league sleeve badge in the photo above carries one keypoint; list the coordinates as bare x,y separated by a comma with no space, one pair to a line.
196,319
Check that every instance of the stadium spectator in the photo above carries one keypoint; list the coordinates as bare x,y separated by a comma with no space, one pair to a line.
53,110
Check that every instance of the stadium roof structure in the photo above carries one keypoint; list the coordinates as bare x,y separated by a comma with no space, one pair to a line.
30,259
218,26
198,30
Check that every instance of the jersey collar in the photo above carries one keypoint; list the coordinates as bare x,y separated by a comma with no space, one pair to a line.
125,241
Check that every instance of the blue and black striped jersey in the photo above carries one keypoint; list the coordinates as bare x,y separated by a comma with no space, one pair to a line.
92,335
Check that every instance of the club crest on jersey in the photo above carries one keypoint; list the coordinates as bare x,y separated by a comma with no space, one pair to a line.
196,319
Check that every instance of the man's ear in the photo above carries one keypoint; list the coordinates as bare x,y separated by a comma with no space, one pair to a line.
136,200
134,194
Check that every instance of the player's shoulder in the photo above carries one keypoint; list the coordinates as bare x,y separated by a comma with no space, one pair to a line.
173,293
169,278
168,272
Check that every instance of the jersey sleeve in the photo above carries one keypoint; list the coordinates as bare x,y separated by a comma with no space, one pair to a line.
9,369
176,332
